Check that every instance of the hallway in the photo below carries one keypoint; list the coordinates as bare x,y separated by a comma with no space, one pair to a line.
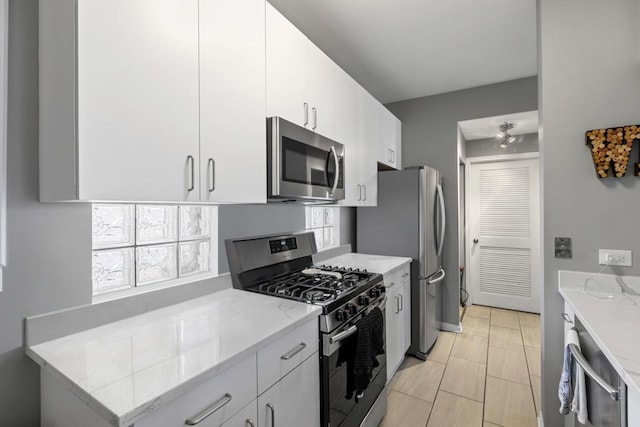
487,376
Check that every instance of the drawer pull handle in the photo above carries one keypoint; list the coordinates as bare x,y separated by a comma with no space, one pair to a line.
567,318
273,414
391,284
208,411
293,352
405,275
250,423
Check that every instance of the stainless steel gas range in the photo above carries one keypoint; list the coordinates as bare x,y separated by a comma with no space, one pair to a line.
282,266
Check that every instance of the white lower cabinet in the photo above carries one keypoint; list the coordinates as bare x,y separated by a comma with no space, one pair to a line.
247,417
294,401
229,391
398,317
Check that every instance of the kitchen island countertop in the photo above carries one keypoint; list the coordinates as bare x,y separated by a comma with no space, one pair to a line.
124,369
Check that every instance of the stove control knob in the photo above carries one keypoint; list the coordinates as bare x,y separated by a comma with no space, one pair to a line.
363,300
352,308
342,314
374,292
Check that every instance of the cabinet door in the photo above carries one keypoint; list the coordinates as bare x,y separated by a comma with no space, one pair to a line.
232,103
349,135
137,82
388,136
294,400
322,77
392,339
405,318
370,139
397,157
286,69
247,417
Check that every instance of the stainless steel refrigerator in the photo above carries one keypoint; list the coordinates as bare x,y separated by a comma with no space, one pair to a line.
410,221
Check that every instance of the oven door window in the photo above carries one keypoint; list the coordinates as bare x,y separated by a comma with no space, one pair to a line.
343,409
309,165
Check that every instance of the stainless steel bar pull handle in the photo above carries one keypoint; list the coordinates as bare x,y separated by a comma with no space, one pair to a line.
389,154
208,411
250,423
315,118
212,171
567,318
588,369
337,165
306,114
359,192
191,162
397,305
393,156
405,275
293,352
344,334
273,414
401,302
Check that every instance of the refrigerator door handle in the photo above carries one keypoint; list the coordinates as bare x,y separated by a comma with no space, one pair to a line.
435,278
443,220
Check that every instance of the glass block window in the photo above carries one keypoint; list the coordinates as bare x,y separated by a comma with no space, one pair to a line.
139,245
325,223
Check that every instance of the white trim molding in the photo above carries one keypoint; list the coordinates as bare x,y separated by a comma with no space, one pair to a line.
503,158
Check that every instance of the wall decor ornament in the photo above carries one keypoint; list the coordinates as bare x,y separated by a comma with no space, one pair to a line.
612,146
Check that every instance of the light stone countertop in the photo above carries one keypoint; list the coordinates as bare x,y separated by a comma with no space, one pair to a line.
373,263
612,322
126,368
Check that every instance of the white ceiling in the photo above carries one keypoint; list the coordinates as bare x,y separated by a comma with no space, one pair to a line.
488,127
404,49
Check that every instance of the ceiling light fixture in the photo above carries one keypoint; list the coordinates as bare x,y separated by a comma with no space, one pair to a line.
506,139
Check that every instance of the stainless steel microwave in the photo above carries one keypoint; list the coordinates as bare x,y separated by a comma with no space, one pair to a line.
303,166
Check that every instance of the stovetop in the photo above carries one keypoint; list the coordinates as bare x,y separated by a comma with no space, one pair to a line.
317,285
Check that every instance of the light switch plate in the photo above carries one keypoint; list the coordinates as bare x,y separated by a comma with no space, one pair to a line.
615,257
563,247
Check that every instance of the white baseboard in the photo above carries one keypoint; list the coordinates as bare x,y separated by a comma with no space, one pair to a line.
540,421
450,327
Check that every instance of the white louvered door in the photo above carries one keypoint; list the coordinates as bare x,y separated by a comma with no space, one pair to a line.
504,214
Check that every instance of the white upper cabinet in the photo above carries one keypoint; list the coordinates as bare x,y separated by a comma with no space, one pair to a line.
369,125
137,100
390,139
349,135
286,69
232,102
302,82
152,100
322,75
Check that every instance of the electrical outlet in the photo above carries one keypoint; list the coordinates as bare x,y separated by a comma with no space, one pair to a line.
615,257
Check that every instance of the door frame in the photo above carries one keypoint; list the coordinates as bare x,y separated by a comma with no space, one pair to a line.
470,161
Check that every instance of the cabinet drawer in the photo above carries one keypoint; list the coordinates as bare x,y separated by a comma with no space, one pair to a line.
236,386
281,356
398,276
247,417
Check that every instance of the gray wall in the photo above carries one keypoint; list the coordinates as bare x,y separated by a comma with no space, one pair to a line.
49,245
527,143
255,220
429,136
581,90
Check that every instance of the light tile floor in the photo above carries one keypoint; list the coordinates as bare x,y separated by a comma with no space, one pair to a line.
489,375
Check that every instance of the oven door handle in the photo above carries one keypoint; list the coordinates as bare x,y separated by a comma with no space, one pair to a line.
344,334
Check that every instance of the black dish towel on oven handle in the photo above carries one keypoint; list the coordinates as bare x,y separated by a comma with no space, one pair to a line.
361,351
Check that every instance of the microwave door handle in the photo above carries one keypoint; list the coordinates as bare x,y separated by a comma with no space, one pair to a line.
443,219
337,177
